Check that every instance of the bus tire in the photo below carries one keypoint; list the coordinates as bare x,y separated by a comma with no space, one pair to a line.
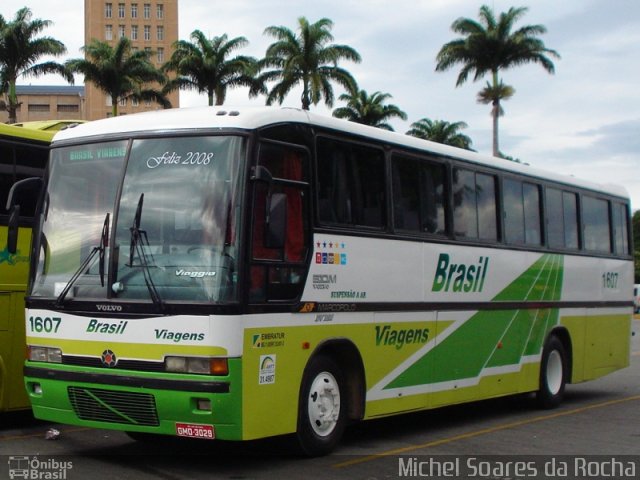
553,373
322,411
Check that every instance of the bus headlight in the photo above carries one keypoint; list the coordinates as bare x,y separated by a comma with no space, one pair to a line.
202,365
44,354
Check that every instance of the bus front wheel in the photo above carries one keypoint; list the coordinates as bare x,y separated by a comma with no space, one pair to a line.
321,412
553,373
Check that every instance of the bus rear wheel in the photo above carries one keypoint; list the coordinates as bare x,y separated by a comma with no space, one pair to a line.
321,412
553,374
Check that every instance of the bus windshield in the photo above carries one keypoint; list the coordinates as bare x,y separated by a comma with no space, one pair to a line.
174,237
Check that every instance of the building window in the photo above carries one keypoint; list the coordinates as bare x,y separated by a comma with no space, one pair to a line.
147,33
107,101
135,102
134,10
160,11
121,31
108,32
108,10
39,107
123,102
147,10
160,55
134,32
160,33
121,10
68,108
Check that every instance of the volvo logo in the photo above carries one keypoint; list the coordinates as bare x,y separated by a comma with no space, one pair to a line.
109,308
109,359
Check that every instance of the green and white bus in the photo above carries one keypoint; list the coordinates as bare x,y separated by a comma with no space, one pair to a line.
23,154
240,274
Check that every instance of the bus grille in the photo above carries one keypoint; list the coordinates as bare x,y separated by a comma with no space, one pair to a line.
139,365
114,406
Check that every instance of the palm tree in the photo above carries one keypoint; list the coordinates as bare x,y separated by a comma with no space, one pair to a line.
368,110
441,131
306,58
494,94
120,72
490,45
19,52
204,66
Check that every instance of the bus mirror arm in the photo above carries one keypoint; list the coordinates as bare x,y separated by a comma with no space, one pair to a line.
261,174
12,230
14,210
22,185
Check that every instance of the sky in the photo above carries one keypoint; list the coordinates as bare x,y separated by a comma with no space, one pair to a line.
584,120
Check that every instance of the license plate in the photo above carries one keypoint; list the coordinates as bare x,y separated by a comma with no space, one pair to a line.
194,430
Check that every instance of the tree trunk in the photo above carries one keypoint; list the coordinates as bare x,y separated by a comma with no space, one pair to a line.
12,107
495,113
114,106
306,101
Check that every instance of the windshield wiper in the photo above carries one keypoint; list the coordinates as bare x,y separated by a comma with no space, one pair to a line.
138,241
88,262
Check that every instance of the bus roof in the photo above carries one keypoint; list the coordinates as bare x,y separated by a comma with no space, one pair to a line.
50,125
25,133
219,117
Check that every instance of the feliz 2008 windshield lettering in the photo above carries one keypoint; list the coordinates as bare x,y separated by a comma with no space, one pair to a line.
173,158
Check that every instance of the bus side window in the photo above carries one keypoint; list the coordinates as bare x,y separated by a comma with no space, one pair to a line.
7,175
597,233
351,190
522,212
475,206
621,228
30,162
418,195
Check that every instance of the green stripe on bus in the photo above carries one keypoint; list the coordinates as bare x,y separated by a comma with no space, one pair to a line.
493,338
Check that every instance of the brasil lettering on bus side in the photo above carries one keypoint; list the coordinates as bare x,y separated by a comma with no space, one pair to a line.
459,277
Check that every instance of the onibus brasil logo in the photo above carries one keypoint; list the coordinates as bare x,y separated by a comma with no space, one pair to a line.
36,468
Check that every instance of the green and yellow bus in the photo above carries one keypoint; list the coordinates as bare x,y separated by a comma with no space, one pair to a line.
239,274
23,154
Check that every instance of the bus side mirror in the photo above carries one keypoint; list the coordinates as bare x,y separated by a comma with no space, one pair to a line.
276,221
12,230
27,184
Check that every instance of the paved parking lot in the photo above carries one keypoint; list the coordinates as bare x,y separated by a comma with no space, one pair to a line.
599,423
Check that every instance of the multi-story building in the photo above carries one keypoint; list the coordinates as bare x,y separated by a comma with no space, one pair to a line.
149,24
48,102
